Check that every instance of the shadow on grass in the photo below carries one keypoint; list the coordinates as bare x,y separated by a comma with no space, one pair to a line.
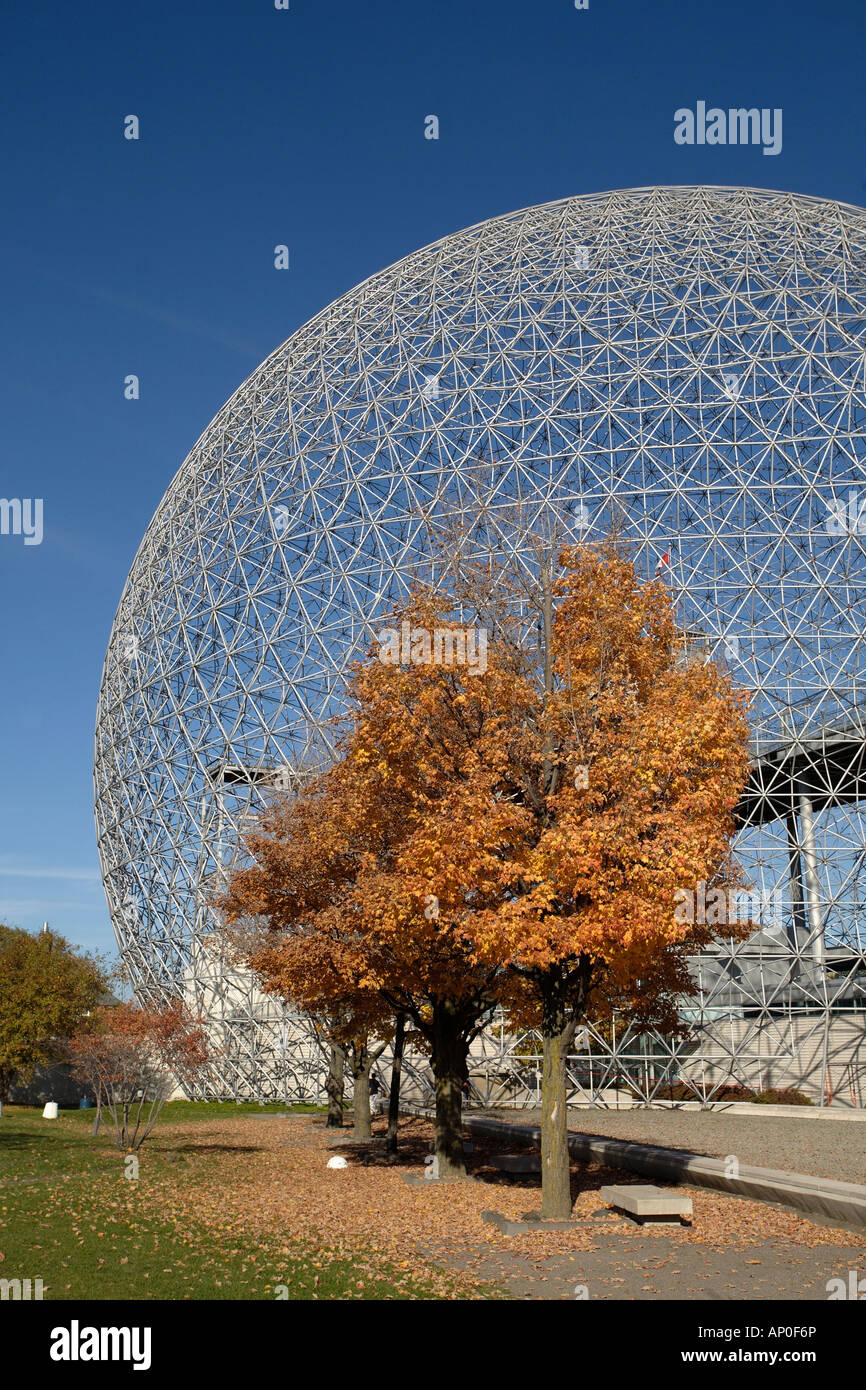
209,1149
43,1144
19,1140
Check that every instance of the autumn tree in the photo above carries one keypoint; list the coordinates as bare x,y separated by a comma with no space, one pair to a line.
132,1058
322,973
515,834
624,765
609,787
46,988
281,921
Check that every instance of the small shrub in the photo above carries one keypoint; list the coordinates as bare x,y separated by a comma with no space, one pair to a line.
680,1091
787,1097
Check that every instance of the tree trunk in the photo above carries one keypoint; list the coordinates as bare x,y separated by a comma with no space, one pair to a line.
555,1171
361,1064
334,1086
394,1093
448,1058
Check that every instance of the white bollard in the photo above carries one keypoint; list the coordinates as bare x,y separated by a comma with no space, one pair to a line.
50,1111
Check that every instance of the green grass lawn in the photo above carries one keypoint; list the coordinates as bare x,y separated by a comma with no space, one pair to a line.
70,1217
175,1111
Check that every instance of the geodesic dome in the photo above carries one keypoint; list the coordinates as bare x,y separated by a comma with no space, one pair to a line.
685,362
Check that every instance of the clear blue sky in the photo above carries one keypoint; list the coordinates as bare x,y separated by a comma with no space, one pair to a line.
303,127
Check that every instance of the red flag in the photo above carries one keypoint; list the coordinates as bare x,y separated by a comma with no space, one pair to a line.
664,563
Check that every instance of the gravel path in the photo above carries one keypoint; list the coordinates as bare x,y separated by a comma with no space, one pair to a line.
823,1148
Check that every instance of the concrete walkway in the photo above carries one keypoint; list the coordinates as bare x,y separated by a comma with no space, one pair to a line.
654,1268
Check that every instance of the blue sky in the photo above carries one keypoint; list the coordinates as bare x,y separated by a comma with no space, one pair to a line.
303,127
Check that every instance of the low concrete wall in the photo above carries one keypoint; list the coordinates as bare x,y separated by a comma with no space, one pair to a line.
844,1202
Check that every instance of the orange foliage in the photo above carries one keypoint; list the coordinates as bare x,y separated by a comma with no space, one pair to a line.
514,835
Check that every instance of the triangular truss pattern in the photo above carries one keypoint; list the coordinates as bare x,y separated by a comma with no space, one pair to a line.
687,362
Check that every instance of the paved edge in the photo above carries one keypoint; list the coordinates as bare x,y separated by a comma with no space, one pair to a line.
519,1228
823,1197
736,1107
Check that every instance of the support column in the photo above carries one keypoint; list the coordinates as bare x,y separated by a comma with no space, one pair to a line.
795,879
811,881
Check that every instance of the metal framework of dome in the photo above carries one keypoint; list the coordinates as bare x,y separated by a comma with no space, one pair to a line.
689,363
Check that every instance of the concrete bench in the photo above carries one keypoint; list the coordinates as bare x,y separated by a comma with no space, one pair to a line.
645,1202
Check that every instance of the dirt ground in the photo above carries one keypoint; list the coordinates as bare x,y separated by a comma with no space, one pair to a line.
272,1175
